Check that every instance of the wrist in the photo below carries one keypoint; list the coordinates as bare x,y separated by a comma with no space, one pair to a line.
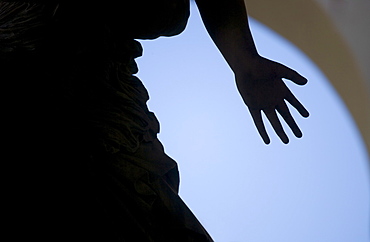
246,65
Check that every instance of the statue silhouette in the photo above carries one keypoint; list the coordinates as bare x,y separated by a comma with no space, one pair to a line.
86,164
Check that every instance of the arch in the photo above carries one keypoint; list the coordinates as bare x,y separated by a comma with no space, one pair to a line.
308,26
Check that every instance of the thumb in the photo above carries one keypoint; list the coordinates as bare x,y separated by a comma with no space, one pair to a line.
287,73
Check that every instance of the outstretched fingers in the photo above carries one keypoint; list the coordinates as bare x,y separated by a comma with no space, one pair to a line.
285,113
275,122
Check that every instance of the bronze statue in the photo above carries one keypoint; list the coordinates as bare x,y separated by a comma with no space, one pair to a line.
87,164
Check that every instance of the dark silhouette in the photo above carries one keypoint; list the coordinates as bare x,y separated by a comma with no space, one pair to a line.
85,161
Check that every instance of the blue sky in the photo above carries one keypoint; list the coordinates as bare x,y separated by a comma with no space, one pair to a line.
314,189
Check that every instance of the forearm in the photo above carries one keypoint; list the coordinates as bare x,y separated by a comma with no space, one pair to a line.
227,23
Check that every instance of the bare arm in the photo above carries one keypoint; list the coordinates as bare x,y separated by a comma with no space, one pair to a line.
258,79
227,24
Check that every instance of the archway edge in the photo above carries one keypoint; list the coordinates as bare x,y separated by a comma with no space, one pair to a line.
307,25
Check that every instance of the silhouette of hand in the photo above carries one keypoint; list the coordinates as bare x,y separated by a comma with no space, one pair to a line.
263,89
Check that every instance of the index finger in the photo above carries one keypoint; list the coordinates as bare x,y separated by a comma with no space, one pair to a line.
296,104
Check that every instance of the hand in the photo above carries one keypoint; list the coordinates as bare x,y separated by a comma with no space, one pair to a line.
263,89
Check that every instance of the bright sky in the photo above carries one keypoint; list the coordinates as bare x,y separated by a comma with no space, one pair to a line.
313,189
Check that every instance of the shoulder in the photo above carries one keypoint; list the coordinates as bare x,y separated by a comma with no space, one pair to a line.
152,19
